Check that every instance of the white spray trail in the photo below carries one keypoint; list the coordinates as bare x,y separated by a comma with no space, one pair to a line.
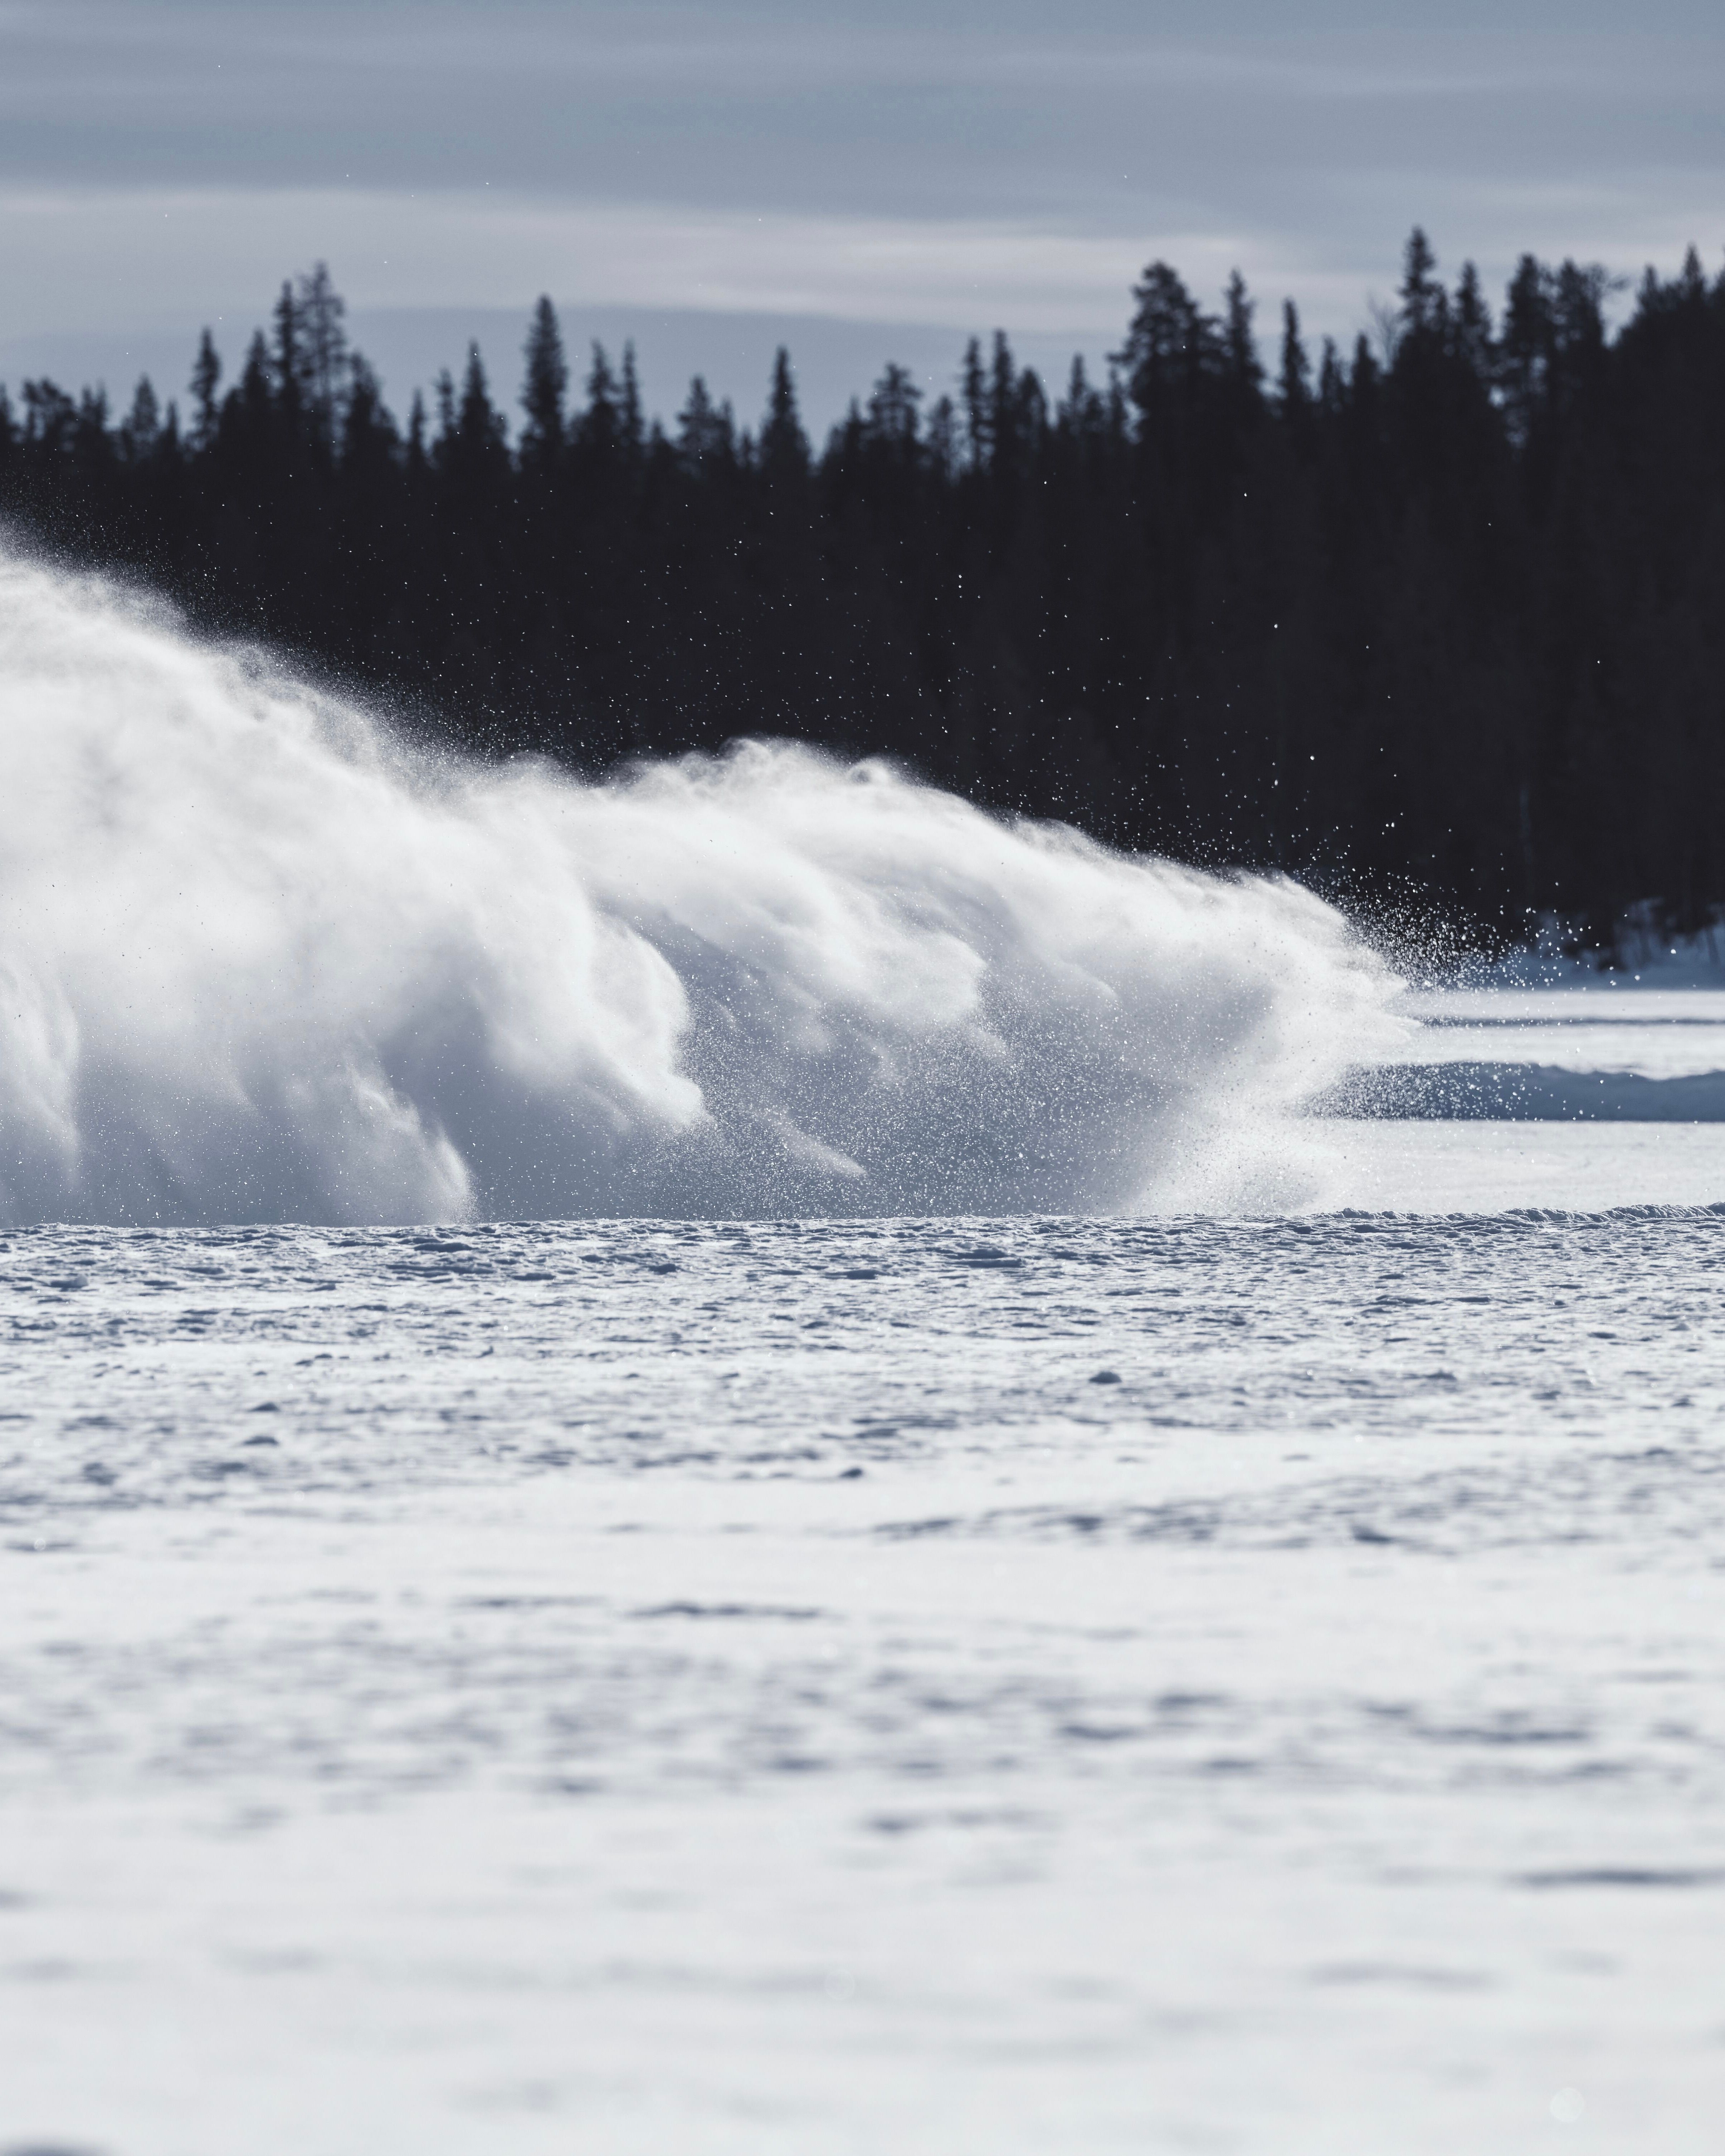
260,962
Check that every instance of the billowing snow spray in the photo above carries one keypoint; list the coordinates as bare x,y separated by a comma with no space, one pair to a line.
261,960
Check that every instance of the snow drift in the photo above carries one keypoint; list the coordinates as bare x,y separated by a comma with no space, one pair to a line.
260,961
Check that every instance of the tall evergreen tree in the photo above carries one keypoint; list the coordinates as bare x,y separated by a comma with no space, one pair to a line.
1294,381
206,383
544,387
1422,296
784,446
322,355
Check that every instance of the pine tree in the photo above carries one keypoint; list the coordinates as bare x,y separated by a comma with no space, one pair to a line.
973,388
479,427
1332,380
1243,365
1172,346
784,446
634,428
1526,349
545,386
206,381
418,459
249,413
141,428
289,363
1471,323
705,431
50,420
369,440
1294,382
601,424
322,356
893,418
940,438
1422,296
1079,412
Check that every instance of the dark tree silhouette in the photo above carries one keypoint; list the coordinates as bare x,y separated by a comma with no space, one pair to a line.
1444,618
545,387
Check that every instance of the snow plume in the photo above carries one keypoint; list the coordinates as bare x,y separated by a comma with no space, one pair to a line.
260,962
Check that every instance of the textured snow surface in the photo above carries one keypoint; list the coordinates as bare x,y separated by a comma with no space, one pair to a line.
1420,1166
1647,1033
965,1687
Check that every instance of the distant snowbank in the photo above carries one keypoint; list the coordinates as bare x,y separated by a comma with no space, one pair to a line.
1549,1038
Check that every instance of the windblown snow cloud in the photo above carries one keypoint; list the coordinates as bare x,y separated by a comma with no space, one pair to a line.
262,961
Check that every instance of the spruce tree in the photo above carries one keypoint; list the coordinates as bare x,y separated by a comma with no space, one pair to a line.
288,364
784,446
632,423
322,356
1172,346
1244,367
544,387
1422,296
601,424
206,382
892,416
141,428
1294,381
481,429
973,388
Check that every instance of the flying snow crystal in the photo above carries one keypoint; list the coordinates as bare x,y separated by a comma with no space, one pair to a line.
261,961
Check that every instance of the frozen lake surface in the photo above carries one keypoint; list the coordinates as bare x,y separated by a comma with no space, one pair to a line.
1599,1048
939,1686
1241,1669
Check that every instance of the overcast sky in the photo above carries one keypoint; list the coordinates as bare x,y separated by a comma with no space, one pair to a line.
711,178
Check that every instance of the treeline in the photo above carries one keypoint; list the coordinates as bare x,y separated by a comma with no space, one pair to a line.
1446,613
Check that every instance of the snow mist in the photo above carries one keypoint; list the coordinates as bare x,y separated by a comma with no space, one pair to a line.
260,961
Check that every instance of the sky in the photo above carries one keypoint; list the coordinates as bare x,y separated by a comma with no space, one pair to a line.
873,181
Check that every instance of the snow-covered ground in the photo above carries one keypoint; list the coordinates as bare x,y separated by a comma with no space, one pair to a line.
1425,1165
1655,1033
1581,1046
781,1689
1150,1681
1584,1092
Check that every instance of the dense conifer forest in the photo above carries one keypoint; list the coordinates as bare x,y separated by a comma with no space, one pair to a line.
1442,614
